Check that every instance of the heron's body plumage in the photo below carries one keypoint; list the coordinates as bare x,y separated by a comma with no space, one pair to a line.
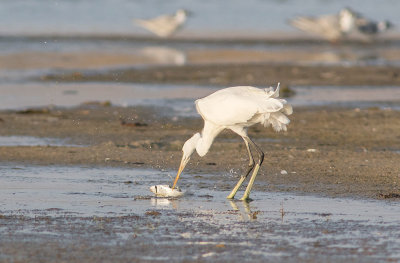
244,106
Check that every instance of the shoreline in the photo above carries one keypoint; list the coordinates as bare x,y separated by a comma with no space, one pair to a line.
241,74
273,37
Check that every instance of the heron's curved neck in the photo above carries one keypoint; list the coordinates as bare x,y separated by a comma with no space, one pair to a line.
208,134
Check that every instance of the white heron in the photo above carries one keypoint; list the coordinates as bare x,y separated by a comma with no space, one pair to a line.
164,25
237,108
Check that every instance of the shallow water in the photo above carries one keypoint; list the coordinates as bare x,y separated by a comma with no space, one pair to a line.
349,96
180,98
43,203
34,141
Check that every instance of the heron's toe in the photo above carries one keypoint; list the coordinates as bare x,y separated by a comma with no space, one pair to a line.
246,199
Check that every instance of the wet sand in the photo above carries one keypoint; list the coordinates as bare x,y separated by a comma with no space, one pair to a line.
164,55
242,74
297,63
356,152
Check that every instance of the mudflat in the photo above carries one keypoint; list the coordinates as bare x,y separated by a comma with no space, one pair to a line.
328,151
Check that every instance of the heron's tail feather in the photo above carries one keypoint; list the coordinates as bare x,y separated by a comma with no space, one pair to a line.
287,109
278,118
273,93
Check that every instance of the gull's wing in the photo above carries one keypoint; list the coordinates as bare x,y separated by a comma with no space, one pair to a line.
162,26
326,26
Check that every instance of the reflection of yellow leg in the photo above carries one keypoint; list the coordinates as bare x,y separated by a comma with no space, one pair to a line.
250,185
247,214
234,206
247,207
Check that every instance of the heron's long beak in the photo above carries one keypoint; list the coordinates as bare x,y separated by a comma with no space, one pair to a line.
181,167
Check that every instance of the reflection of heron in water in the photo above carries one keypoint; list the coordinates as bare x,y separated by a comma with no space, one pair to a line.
164,55
164,202
165,25
247,211
338,26
237,108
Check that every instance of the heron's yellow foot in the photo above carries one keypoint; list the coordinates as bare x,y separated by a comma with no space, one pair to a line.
246,199
250,185
246,195
231,196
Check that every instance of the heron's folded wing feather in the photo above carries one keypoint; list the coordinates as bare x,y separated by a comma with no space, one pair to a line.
226,110
235,106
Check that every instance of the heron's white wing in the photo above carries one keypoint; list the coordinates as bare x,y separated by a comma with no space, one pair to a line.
236,105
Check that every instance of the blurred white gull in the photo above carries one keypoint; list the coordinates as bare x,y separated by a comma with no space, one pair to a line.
165,25
338,26
353,21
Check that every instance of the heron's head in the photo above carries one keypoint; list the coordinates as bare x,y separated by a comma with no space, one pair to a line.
187,150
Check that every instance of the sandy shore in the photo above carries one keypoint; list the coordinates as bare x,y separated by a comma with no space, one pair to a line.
329,151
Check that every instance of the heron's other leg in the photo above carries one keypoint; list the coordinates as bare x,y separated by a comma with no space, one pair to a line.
244,176
255,171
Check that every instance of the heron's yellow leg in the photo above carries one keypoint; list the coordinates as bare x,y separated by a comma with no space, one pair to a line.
251,166
236,188
246,194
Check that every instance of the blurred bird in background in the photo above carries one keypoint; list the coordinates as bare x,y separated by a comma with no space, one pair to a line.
336,27
354,21
165,25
